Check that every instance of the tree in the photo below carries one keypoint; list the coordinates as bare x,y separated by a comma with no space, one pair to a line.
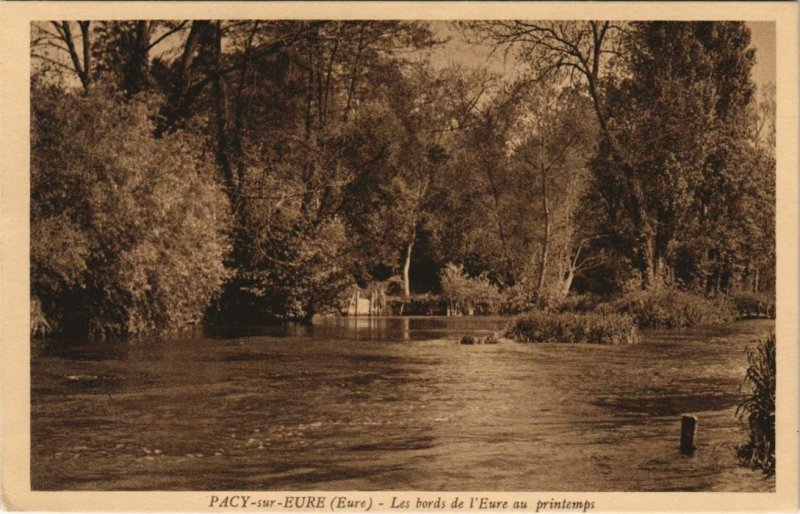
679,113
51,40
128,232
577,53
432,106
320,136
556,143
577,50
124,50
487,156
762,112
665,95
346,158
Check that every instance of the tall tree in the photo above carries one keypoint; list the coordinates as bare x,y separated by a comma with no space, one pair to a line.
52,42
678,110
316,139
556,143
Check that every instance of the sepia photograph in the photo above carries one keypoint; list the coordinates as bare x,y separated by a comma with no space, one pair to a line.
403,254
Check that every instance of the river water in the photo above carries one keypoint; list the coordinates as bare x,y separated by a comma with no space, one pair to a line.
390,404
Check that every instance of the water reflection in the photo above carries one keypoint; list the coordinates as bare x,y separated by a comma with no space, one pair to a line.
410,328
388,403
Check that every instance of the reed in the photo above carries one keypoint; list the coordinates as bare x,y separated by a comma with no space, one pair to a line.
759,407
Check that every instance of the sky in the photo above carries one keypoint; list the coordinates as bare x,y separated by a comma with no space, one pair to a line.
763,40
459,51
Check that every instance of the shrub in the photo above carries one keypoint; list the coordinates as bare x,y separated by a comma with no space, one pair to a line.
753,305
759,451
295,272
670,308
517,299
425,304
469,294
128,232
568,327
580,303
421,304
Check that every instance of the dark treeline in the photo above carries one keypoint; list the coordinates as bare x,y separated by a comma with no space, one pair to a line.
249,171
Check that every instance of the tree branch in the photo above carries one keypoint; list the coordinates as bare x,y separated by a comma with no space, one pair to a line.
166,35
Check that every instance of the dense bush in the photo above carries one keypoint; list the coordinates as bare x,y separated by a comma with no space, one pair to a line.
517,299
759,451
753,305
467,295
128,232
426,304
670,308
291,272
580,303
543,326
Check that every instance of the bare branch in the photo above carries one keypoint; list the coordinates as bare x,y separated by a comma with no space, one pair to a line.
52,61
164,36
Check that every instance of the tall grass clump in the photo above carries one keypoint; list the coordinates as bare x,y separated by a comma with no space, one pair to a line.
570,327
671,308
759,407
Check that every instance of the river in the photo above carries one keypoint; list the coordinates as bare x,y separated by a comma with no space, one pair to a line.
390,404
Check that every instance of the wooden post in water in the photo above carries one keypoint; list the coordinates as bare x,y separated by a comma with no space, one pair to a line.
688,434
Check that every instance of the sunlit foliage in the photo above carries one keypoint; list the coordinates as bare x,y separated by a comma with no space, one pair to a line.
128,232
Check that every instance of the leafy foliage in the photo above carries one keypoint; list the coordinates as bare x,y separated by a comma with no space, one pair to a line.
675,154
346,155
753,305
568,327
128,232
666,307
465,293
759,451
293,276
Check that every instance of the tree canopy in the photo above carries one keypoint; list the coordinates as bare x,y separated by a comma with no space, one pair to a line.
262,170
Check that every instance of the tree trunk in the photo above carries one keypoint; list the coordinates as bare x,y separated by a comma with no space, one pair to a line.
135,68
238,117
546,240
407,266
653,273
87,44
500,226
84,71
566,284
354,75
177,106
221,107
